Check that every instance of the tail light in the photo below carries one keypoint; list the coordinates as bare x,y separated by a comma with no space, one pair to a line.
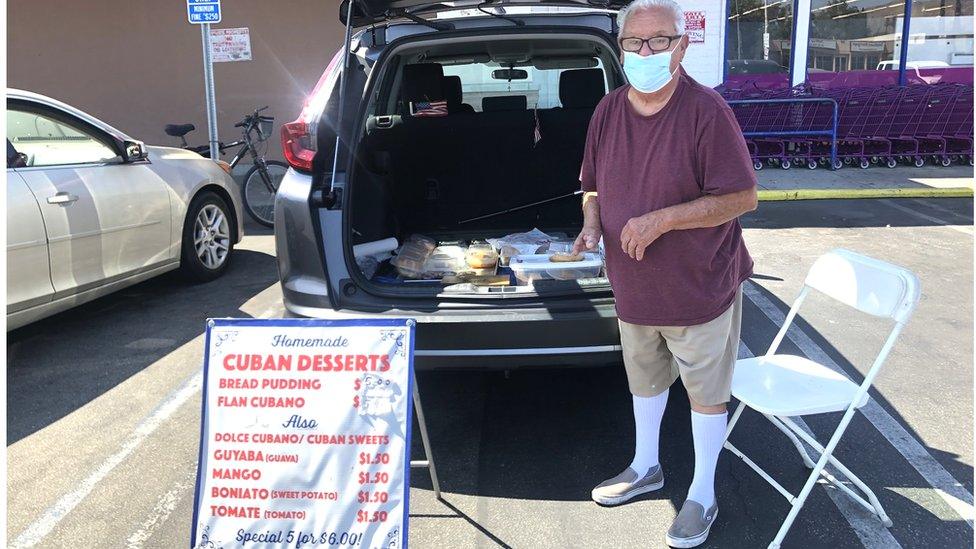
224,166
296,142
298,137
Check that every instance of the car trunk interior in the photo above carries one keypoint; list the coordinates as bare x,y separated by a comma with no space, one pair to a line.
508,163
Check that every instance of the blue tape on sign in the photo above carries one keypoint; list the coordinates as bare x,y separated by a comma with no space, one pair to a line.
202,11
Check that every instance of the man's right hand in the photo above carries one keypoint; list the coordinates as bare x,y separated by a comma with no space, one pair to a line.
588,239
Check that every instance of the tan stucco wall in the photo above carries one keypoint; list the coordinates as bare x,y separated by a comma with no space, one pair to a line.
138,64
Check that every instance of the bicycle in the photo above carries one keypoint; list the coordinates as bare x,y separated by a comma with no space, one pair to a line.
262,180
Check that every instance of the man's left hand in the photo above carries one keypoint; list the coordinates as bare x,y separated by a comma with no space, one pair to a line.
640,232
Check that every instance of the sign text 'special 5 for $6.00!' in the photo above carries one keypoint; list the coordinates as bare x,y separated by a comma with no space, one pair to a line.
305,434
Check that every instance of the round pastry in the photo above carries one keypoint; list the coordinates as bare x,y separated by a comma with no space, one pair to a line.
565,258
482,262
481,258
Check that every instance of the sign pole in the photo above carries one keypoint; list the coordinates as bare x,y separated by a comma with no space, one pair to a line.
209,85
429,462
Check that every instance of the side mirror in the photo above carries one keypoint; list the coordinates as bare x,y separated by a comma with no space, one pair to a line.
509,74
134,151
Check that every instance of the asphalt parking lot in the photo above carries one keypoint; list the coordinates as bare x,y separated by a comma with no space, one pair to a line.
104,402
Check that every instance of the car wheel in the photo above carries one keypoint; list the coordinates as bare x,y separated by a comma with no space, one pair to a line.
207,242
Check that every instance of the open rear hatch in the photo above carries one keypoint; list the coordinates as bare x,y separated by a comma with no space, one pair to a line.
466,179
370,12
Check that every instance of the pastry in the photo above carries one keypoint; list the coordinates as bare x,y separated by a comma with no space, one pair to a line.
565,258
478,260
481,257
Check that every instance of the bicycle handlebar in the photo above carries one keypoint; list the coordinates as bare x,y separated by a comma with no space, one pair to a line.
249,119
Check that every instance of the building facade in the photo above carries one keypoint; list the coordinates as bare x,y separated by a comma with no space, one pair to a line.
138,65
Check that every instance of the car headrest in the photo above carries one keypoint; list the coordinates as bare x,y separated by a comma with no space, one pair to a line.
422,82
581,88
504,103
451,86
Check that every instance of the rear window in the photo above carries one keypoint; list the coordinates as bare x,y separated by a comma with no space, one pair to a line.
540,87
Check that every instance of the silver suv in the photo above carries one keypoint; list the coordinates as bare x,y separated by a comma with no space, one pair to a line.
460,125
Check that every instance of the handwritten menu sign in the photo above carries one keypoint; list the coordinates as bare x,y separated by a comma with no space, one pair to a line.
305,434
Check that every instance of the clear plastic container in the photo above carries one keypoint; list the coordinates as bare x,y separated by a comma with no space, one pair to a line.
531,242
410,261
446,260
539,267
560,246
481,256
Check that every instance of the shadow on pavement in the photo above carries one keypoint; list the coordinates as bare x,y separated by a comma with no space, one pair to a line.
59,364
552,435
858,213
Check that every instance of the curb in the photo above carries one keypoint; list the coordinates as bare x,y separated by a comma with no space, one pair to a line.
827,194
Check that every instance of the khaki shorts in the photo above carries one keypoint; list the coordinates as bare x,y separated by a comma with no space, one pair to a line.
703,355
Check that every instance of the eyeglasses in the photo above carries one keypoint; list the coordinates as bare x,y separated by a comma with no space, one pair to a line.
657,43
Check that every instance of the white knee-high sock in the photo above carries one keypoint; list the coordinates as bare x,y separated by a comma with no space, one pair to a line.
708,430
648,412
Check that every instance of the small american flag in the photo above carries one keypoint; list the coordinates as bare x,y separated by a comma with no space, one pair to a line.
429,108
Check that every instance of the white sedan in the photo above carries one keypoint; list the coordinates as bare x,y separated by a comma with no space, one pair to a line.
91,210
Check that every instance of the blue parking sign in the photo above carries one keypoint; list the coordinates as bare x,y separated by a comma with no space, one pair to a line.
203,11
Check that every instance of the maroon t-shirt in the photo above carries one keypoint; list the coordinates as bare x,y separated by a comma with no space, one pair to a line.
691,148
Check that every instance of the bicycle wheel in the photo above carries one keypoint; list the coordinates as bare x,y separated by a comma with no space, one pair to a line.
259,191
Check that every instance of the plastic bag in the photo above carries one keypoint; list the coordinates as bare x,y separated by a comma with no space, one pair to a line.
527,243
368,265
412,256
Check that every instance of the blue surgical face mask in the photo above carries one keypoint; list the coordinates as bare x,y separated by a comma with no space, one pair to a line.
648,74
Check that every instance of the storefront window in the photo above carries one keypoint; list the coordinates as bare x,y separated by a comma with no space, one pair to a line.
758,39
941,34
854,34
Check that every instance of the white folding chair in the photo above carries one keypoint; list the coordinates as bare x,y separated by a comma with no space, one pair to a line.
780,386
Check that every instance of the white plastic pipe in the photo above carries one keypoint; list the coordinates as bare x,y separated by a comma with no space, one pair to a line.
375,247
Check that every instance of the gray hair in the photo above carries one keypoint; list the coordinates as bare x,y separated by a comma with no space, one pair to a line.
669,5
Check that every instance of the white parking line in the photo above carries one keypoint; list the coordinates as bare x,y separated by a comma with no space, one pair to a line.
965,229
43,526
947,487
160,512
867,527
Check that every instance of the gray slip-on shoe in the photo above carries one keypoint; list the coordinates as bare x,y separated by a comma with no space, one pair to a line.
626,485
690,528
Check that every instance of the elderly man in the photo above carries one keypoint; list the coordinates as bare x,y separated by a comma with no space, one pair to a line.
666,174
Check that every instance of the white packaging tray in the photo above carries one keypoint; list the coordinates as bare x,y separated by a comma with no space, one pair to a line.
538,267
446,260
